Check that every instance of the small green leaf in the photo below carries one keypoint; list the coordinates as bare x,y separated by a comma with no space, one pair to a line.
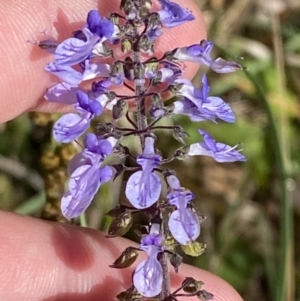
194,249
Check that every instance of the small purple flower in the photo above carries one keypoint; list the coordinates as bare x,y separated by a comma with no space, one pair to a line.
87,175
219,151
74,51
201,54
172,14
154,32
198,105
183,222
93,70
148,276
77,49
88,105
103,28
143,187
70,126
97,145
169,73
73,77
213,106
100,91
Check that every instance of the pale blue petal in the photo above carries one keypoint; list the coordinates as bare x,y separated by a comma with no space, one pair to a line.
184,225
69,127
143,189
148,277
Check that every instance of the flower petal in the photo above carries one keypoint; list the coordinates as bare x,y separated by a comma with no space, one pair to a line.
69,127
143,189
148,278
184,225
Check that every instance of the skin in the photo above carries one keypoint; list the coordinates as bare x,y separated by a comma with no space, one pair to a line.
47,261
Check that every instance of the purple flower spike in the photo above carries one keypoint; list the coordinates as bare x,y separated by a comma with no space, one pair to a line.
148,276
143,187
219,151
172,14
201,54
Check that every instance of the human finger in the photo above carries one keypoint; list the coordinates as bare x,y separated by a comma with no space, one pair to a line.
43,261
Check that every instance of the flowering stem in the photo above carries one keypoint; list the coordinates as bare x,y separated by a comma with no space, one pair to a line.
166,290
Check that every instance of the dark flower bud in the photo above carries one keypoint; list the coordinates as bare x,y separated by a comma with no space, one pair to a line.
179,134
48,45
191,286
175,261
120,225
170,55
126,259
129,295
203,295
120,109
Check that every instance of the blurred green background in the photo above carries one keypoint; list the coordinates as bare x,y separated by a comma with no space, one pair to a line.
253,208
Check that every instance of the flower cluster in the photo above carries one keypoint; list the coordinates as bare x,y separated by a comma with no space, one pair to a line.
83,57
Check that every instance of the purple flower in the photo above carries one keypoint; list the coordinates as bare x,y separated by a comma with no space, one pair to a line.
62,93
183,222
154,32
103,28
70,126
198,105
100,92
148,276
97,145
201,54
169,73
65,73
219,151
143,187
73,77
88,105
74,51
172,14
79,48
93,70
87,176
